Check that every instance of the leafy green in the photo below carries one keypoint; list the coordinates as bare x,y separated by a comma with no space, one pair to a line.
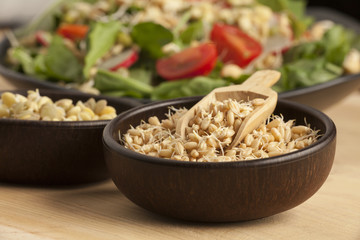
315,62
216,71
151,37
61,63
101,38
238,80
299,26
182,23
296,11
187,87
307,50
337,43
333,46
58,63
40,67
275,5
297,7
110,82
141,75
307,72
194,31
123,93
21,55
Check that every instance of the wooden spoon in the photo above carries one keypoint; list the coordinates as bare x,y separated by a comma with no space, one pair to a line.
258,85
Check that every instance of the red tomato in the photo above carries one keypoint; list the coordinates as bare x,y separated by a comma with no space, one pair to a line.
233,45
42,37
73,31
123,60
188,63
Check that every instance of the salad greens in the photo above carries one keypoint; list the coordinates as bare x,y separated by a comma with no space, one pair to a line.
60,62
151,37
110,82
315,62
24,58
296,10
133,26
195,31
183,88
101,39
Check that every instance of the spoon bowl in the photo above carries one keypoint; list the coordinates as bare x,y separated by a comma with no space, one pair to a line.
258,85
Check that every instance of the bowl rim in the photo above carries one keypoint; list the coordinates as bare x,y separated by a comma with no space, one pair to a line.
317,87
325,139
55,124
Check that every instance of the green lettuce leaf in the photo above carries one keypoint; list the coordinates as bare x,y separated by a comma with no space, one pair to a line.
187,87
195,31
24,58
101,38
312,63
141,74
275,5
337,43
151,37
307,72
334,46
61,63
108,82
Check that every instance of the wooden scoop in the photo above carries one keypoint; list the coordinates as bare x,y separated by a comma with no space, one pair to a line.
258,85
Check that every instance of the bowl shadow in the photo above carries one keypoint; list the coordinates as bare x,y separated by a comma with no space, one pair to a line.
105,202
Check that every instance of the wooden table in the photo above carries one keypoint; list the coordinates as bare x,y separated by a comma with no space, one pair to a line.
100,211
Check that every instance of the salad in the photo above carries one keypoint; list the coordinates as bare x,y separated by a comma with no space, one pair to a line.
165,49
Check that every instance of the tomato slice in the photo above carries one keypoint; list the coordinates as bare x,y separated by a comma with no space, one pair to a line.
73,31
42,37
233,45
123,60
188,63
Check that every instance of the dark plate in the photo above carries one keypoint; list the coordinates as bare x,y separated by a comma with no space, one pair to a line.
319,96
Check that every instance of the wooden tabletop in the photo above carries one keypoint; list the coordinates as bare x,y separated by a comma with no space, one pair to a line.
100,211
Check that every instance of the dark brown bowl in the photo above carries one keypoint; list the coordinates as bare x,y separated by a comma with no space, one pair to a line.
55,153
225,191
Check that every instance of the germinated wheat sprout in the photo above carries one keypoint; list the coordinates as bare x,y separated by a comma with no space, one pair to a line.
210,132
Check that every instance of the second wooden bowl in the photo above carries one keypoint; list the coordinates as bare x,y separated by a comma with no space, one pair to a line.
55,153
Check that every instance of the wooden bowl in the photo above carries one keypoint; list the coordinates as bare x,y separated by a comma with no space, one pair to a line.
224,191
55,153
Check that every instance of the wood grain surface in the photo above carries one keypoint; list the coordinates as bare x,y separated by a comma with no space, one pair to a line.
100,211
5,84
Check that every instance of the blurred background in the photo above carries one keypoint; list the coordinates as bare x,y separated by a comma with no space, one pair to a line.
349,7
16,12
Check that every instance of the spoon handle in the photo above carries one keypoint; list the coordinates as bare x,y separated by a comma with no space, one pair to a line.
259,80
